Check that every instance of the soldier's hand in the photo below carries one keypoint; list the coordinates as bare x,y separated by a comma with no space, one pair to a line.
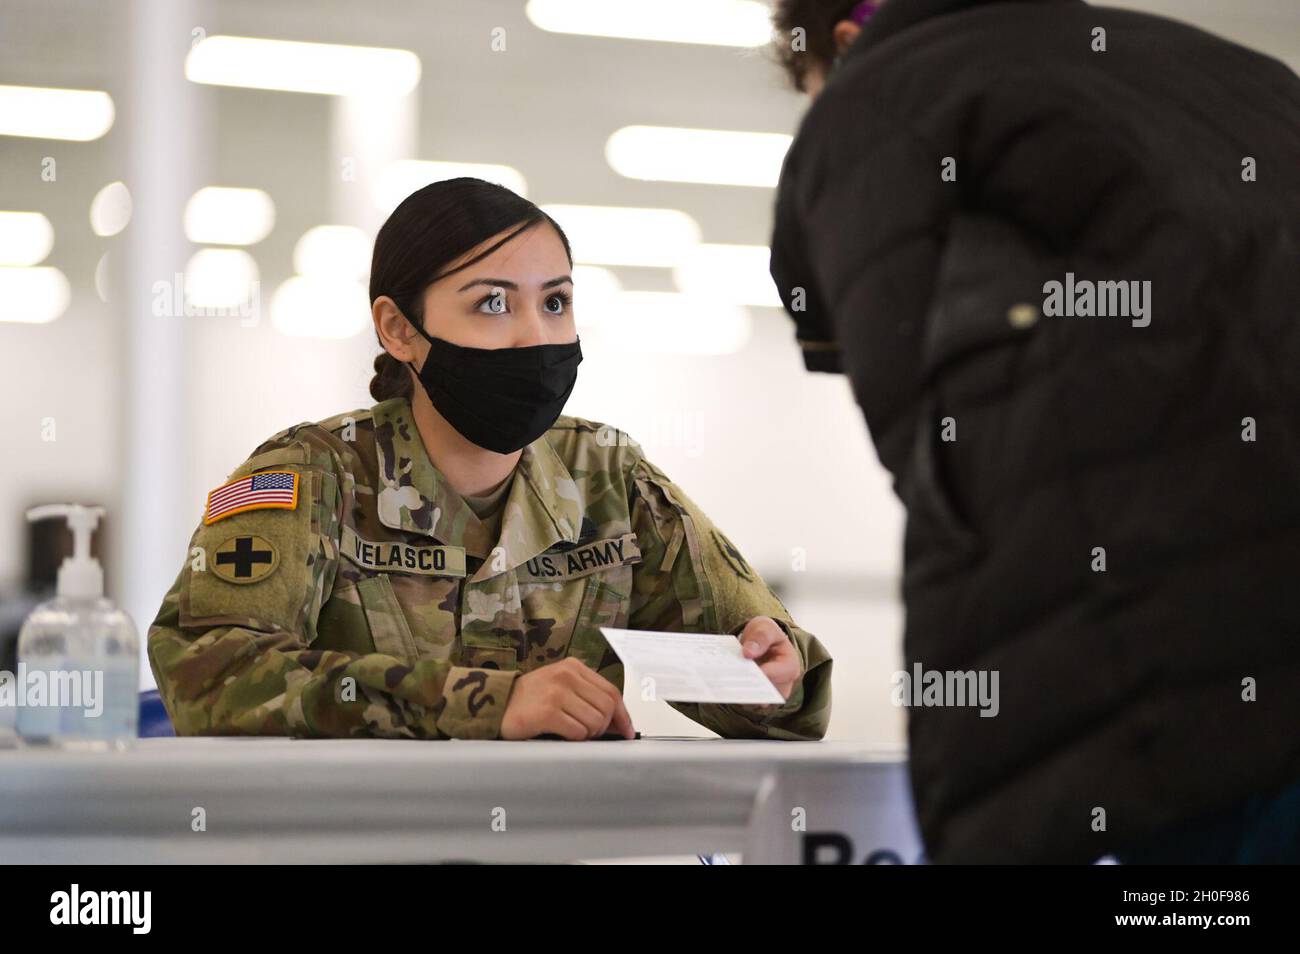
763,641
567,698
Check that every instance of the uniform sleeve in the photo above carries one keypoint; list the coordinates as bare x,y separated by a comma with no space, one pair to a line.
861,217
693,579
795,280
234,657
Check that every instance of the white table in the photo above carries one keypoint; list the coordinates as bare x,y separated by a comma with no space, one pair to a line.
365,801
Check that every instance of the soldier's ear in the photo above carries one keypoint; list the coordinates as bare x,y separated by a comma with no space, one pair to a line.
396,334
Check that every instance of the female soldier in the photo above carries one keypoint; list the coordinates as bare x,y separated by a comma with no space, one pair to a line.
440,565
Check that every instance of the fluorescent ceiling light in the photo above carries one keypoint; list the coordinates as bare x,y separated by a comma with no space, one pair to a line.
719,22
399,179
110,210
595,294
716,156
216,215
44,113
33,295
25,238
673,323
732,273
311,307
104,282
333,251
220,278
619,235
327,68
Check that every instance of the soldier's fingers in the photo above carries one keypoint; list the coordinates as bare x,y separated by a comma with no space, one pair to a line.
622,719
598,700
598,681
759,634
568,727
593,718
781,667
780,653
782,674
593,686
592,681
622,723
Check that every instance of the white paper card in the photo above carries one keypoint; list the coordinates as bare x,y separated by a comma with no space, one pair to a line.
693,667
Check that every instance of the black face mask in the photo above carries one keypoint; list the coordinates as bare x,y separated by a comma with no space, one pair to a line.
501,399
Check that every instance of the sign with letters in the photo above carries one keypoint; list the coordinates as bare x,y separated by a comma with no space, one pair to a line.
859,814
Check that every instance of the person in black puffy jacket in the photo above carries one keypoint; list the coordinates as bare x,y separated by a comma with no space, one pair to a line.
1056,250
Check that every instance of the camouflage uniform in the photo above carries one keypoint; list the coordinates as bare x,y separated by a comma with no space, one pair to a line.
381,607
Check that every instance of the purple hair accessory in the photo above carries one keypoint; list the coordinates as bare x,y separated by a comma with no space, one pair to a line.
863,12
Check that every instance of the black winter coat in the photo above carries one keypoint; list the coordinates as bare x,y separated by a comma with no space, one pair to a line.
1104,511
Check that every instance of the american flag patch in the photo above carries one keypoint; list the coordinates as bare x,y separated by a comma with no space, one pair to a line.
273,489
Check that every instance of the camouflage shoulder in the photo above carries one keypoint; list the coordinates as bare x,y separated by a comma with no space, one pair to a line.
339,424
577,438
325,445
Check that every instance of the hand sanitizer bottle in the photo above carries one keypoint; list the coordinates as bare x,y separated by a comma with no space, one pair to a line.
78,654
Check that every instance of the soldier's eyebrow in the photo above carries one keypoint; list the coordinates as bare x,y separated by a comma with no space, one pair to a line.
503,283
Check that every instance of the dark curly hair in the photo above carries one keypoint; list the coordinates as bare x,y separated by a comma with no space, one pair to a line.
431,228
817,18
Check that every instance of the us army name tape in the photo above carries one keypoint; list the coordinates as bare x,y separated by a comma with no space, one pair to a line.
402,557
553,566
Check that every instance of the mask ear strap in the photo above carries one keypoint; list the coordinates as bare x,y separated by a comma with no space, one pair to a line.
427,337
425,334
407,319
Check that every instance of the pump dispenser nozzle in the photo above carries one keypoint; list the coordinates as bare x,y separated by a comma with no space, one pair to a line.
80,575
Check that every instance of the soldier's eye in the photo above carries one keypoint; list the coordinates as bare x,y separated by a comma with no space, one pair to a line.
558,303
493,304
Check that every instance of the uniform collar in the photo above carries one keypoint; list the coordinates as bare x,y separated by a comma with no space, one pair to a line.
544,506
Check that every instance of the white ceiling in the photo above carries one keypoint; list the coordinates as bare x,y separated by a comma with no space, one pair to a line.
546,105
